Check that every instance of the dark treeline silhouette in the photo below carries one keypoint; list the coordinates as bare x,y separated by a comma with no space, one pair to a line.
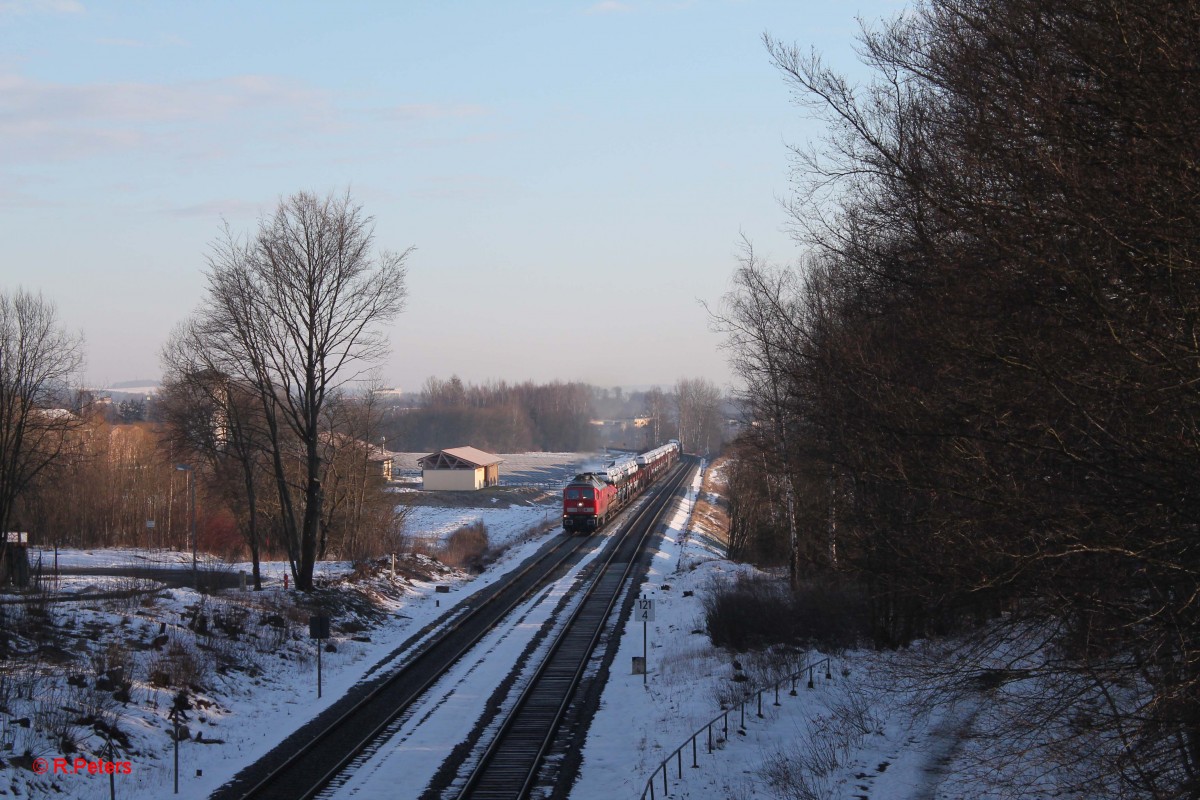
500,417
978,394
556,417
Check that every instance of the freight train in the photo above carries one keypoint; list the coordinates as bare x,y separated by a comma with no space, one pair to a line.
592,498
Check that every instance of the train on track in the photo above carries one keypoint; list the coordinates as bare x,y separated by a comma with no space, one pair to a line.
592,498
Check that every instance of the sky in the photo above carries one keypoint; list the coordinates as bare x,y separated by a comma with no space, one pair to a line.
575,177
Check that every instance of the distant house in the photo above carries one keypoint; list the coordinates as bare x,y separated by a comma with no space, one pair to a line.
459,469
382,460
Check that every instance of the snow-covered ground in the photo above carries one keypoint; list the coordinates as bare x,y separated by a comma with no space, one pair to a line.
851,730
246,711
855,728
504,525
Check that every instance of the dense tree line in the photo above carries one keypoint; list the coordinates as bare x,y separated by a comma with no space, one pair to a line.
979,392
497,416
112,485
553,417
116,485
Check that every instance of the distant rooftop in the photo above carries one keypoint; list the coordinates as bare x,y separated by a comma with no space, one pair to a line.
470,455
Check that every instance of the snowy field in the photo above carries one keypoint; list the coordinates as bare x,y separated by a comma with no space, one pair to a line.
430,524
504,525
245,712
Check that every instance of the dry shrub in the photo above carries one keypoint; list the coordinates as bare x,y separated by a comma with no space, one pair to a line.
183,663
467,548
684,665
802,772
277,619
112,655
54,716
748,612
230,619
755,612
805,769
94,705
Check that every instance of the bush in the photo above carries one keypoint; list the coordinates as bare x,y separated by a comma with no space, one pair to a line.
754,612
747,613
467,548
183,664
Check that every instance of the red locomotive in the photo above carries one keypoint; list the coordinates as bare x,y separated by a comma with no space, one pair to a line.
592,498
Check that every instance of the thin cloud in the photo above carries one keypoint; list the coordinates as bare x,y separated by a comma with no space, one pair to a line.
463,187
42,103
608,7
14,193
163,40
133,43
213,209
60,121
21,7
431,111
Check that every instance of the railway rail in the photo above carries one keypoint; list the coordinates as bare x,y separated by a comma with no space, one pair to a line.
306,762
308,759
509,766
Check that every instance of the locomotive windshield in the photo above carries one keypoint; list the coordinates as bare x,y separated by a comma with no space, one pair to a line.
572,494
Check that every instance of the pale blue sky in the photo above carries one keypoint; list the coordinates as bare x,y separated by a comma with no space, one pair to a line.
574,176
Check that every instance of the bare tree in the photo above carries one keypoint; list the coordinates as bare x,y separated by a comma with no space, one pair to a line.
698,406
762,320
656,407
295,313
215,422
38,364
361,520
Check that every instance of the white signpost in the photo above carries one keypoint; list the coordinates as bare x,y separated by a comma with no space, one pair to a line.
13,537
643,611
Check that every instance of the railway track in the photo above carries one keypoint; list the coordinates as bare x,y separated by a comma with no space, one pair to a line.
509,766
310,761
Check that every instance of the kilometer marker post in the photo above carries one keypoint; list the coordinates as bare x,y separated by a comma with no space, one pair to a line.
644,611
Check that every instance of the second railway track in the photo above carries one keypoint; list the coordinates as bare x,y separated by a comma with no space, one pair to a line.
509,767
311,758
308,759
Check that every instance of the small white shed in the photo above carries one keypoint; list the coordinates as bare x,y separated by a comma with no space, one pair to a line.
459,469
